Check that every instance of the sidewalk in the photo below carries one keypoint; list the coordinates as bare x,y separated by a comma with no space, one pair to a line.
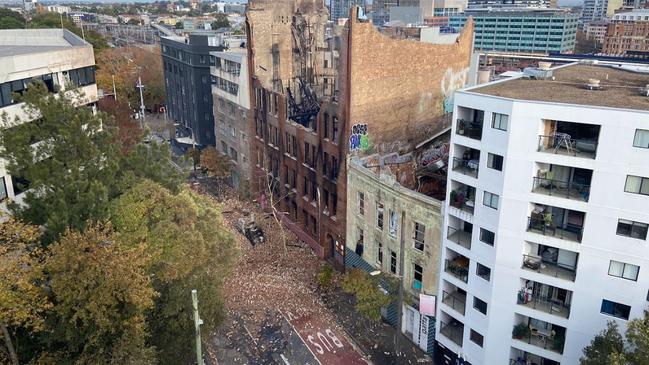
375,339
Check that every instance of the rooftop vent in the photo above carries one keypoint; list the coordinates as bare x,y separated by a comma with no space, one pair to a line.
545,65
593,84
536,73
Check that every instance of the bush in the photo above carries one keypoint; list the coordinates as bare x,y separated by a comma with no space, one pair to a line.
325,276
369,298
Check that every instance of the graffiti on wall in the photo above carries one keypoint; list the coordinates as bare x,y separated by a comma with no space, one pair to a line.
452,81
359,140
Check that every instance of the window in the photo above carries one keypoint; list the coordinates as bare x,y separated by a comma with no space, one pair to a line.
420,234
480,305
334,124
418,276
476,338
615,309
379,256
499,121
490,200
359,241
495,162
361,203
637,185
632,229
641,138
3,189
624,271
487,236
394,225
393,262
379,215
325,125
483,271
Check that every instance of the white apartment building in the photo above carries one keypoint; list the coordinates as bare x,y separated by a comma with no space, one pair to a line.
57,57
547,212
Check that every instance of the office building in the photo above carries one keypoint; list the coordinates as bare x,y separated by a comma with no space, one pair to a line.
546,214
231,104
340,8
516,30
56,57
594,10
537,4
186,64
627,39
596,30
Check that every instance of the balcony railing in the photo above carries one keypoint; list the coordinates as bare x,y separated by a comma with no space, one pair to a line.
564,189
454,301
545,340
544,304
466,205
565,145
571,232
466,167
562,271
469,129
458,267
460,237
453,330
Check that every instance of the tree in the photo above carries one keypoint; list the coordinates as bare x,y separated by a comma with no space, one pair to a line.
216,164
608,347
179,25
11,20
101,292
369,299
637,334
53,20
220,21
133,21
149,161
128,132
70,172
191,249
604,346
23,300
586,45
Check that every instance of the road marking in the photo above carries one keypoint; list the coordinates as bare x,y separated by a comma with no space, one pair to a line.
285,359
250,334
298,335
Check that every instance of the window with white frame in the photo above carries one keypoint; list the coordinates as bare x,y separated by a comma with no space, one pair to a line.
623,270
500,121
641,138
476,338
632,229
495,161
420,234
490,200
487,236
637,185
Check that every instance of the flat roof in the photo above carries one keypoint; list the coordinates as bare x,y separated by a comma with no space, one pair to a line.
620,87
26,41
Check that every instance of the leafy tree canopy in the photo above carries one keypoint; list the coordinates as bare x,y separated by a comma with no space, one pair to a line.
220,21
610,348
11,20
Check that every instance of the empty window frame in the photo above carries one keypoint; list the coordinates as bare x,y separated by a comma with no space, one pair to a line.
487,236
417,275
379,254
476,338
480,305
500,121
641,138
420,236
632,229
483,271
637,185
394,223
623,270
490,200
393,262
361,203
379,215
615,309
495,161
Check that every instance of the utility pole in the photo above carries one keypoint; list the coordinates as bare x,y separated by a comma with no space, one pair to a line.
114,90
197,325
140,86
83,35
397,333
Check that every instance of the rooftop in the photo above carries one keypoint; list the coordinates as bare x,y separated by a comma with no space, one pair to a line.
619,88
15,42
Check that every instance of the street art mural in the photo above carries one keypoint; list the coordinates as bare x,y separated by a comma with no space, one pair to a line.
452,81
359,140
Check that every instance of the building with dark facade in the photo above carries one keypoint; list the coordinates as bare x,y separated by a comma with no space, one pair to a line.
186,64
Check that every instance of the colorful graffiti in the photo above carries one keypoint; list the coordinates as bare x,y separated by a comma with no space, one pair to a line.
450,82
359,140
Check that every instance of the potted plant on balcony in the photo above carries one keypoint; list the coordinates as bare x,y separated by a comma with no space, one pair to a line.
520,330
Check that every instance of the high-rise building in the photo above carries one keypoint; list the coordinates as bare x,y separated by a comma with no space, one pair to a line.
518,30
546,214
340,8
186,65
56,57
599,9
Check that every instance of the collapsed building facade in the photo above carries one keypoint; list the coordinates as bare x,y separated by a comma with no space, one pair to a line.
322,93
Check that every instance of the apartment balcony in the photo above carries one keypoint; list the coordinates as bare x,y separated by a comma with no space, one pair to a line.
545,298
468,161
453,330
458,266
570,139
520,357
462,197
469,123
461,237
562,181
455,300
556,270
539,333
556,222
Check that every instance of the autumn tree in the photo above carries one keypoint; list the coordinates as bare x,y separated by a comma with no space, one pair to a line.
191,249
101,291
23,299
216,164
365,288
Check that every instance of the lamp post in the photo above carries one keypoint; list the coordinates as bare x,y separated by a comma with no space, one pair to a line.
197,326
